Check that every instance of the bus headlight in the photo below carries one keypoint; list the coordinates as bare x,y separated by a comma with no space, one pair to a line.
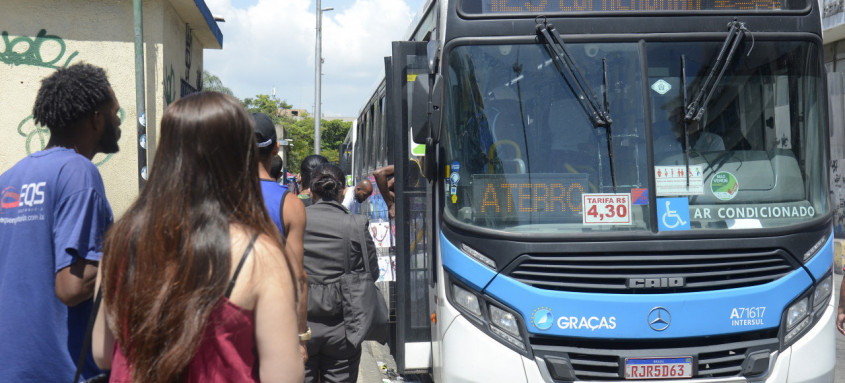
467,300
504,320
796,313
807,309
822,294
495,319
505,325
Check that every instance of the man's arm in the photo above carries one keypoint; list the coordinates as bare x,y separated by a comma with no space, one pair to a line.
381,175
75,283
294,223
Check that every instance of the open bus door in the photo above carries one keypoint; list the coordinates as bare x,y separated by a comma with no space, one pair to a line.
413,221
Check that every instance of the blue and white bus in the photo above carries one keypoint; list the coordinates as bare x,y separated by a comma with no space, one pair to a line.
608,190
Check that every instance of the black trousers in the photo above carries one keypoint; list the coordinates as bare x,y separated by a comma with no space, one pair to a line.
331,358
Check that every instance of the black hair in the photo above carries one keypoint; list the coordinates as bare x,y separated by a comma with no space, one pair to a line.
328,182
309,164
275,166
69,94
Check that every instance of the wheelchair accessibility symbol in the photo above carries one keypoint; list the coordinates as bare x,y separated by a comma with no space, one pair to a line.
673,214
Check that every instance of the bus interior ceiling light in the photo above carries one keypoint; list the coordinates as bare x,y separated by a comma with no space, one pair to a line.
475,254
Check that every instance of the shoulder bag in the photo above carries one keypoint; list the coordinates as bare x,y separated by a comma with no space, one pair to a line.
364,308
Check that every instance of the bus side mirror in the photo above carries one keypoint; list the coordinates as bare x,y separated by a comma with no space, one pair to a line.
424,106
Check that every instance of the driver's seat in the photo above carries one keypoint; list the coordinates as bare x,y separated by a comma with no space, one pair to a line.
508,151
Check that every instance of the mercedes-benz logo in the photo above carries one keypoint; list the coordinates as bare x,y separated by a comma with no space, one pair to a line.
659,318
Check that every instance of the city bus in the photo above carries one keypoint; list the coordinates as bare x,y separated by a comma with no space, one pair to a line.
607,191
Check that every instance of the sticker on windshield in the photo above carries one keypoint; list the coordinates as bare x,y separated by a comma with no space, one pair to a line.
673,214
676,181
639,196
606,209
661,86
724,186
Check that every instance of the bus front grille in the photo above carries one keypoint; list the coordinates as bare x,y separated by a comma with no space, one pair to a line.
602,360
651,273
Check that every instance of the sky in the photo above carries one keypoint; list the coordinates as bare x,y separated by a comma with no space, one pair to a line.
270,44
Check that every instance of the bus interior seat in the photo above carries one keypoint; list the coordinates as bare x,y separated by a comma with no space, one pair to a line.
507,129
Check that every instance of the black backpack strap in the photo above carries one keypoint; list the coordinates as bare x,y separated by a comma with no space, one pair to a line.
281,213
86,343
240,264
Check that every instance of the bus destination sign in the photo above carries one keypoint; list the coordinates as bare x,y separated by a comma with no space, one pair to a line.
565,6
536,197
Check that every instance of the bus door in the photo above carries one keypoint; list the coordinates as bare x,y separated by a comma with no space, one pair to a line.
412,223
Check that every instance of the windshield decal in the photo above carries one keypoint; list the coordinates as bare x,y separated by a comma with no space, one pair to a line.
639,196
724,186
661,87
672,180
673,214
607,209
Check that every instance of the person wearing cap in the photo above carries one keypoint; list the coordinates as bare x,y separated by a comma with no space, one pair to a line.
290,217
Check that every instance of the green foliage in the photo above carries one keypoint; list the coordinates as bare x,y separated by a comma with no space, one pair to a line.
213,83
263,103
332,134
301,131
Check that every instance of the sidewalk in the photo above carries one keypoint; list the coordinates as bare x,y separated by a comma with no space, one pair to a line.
377,365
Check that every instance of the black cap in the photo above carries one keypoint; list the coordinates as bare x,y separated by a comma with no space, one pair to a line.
265,130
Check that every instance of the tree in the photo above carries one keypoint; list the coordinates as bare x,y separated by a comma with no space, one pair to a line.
301,131
213,83
266,104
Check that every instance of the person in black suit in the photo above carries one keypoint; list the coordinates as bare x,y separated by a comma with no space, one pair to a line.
331,234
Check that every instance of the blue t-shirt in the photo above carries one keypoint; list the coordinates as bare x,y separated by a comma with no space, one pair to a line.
272,192
53,211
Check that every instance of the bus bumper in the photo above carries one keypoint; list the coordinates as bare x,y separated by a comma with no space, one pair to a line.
469,355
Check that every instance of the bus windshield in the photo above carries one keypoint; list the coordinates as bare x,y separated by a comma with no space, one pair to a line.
522,154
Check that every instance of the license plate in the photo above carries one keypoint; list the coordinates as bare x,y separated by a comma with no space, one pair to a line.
658,368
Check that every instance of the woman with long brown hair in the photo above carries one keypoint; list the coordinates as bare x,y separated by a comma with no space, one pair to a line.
195,284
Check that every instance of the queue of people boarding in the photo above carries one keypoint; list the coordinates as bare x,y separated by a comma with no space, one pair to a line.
205,278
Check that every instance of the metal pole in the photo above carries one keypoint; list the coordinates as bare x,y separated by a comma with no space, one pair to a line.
319,66
140,105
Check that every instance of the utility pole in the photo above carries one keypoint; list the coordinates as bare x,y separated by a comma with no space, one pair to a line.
318,60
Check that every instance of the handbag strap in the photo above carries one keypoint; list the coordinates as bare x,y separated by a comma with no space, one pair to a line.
363,238
86,343
347,267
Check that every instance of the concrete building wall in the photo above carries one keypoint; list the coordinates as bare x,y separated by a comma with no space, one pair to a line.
833,21
39,36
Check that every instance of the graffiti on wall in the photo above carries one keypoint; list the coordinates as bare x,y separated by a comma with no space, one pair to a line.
44,50
169,86
37,136
837,196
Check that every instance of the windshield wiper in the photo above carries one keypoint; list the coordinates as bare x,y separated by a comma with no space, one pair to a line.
598,113
736,33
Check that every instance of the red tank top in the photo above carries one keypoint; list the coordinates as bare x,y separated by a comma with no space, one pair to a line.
227,351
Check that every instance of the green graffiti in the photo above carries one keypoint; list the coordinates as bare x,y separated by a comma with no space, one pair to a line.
37,136
169,87
24,50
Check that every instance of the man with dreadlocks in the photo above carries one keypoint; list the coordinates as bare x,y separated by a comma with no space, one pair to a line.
53,216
